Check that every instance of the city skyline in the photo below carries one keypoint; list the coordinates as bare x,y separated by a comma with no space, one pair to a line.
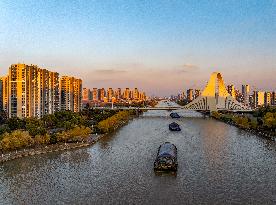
160,47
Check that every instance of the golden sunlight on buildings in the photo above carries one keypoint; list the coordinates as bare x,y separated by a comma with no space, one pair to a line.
30,91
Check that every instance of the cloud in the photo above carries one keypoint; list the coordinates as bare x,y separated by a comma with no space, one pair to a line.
190,66
109,71
185,68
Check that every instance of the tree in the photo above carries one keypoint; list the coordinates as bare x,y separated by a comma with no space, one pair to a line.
269,120
16,140
3,117
15,123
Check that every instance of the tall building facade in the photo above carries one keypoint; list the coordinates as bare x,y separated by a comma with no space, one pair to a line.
273,98
190,94
118,94
231,90
85,94
245,94
95,95
70,93
197,93
90,95
54,94
136,94
23,91
5,93
258,98
1,94
110,94
267,98
101,94
30,91
127,94
115,95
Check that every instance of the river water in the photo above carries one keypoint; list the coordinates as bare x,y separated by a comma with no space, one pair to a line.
217,164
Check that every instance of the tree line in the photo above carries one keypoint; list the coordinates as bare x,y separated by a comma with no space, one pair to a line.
63,126
263,119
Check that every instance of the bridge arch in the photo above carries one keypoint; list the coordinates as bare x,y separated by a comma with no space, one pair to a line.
212,100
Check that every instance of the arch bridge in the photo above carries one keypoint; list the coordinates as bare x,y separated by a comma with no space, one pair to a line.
216,98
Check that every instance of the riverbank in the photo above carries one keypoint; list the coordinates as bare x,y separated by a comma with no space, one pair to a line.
244,123
92,139
121,120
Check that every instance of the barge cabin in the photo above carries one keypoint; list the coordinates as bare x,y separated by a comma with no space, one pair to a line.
166,159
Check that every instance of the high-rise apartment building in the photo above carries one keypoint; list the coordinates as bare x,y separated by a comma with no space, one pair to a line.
53,92
70,93
197,93
30,91
1,94
90,95
245,94
231,90
136,94
110,94
95,94
190,94
102,94
273,98
130,94
24,96
118,93
5,93
77,88
267,98
85,95
258,98
127,94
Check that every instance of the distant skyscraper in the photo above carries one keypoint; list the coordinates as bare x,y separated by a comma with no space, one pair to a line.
231,90
136,94
110,94
267,98
95,94
190,94
102,94
197,93
127,94
273,98
85,95
245,94
258,98
90,95
118,93
130,94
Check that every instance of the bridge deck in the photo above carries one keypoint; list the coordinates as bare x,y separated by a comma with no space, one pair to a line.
164,108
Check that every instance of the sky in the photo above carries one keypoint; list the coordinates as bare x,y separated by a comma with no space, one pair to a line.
162,47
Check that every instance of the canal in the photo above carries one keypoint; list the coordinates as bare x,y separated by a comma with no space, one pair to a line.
217,164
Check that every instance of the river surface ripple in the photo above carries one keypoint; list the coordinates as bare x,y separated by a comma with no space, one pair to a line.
218,164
